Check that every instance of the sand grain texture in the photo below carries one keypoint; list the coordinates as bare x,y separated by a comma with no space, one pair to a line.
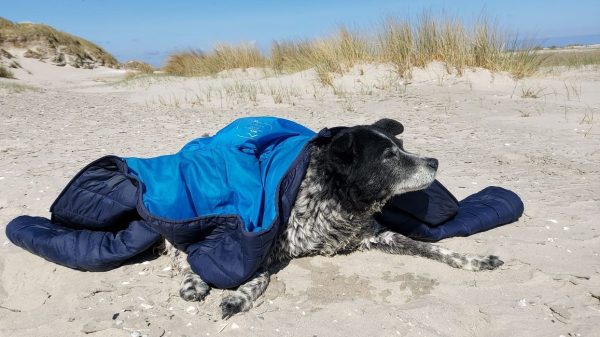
482,127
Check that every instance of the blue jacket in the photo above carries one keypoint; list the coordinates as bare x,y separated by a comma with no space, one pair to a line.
223,200
434,213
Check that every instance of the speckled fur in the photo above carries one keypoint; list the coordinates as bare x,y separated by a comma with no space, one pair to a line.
322,223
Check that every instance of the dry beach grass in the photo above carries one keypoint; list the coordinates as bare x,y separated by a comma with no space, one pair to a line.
572,57
6,73
49,43
537,135
402,43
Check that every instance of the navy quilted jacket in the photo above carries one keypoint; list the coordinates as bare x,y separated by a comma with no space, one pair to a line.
223,200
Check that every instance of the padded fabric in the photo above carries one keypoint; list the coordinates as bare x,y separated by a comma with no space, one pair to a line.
82,249
431,206
444,217
223,200
234,172
94,226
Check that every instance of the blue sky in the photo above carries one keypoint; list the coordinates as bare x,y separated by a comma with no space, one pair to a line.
150,30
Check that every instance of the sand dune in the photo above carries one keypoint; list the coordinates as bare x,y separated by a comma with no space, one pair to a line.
538,136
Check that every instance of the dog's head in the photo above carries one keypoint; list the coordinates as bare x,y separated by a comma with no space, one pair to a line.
372,165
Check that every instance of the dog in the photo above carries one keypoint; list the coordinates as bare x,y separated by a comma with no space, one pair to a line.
348,180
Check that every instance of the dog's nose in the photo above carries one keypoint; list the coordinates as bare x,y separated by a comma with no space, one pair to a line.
433,163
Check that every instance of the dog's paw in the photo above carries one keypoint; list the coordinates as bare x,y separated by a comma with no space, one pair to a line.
193,288
490,262
233,304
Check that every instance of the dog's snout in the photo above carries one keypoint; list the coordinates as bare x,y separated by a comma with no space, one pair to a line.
433,163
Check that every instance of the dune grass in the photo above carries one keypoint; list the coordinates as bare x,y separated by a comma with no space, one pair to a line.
136,69
571,58
223,57
139,66
6,73
22,35
12,87
402,43
5,54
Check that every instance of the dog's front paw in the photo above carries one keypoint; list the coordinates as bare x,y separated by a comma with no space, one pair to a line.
234,303
490,262
193,288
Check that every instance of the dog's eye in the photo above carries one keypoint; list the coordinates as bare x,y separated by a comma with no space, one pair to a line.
389,154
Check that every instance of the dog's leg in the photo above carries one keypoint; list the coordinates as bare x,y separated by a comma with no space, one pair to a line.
243,298
395,243
192,287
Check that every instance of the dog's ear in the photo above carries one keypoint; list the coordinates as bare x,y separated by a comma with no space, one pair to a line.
342,146
390,126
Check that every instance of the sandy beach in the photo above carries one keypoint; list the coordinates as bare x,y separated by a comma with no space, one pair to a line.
539,136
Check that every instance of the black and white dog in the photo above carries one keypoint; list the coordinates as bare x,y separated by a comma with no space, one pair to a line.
348,180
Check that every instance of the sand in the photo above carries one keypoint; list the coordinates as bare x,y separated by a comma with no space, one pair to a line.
539,137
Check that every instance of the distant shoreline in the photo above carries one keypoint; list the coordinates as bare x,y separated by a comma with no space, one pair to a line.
566,41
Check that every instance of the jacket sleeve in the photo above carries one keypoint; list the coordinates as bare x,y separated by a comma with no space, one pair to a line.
81,248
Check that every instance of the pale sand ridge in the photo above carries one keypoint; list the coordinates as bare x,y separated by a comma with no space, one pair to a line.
538,137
